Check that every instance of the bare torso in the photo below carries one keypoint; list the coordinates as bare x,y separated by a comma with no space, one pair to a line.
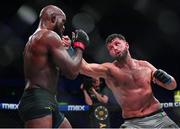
132,89
40,71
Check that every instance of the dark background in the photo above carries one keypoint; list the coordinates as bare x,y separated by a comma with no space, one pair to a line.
152,28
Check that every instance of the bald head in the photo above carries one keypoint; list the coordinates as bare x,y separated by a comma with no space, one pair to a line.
52,18
48,11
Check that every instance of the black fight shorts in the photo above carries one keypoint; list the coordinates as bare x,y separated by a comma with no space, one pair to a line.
39,102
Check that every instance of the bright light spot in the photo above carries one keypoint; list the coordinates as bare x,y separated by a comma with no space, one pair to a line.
27,14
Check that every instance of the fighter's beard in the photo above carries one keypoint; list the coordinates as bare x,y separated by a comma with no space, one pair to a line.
122,56
58,32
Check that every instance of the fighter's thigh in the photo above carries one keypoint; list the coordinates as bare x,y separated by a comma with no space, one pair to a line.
42,122
65,124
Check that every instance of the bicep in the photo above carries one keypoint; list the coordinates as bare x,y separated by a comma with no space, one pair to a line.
55,47
151,67
59,55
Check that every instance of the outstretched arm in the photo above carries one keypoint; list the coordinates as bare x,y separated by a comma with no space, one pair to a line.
93,70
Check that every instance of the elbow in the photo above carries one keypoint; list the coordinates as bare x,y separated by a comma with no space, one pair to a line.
72,76
72,73
105,101
89,103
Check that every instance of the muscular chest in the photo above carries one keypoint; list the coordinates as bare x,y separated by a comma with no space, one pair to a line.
138,77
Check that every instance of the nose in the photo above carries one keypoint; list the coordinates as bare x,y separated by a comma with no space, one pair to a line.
115,47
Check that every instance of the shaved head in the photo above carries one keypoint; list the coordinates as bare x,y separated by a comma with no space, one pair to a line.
49,10
52,18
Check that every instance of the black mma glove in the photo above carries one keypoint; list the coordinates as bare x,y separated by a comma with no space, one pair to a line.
162,76
81,39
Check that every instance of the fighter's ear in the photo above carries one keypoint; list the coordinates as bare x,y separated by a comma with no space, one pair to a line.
53,18
127,44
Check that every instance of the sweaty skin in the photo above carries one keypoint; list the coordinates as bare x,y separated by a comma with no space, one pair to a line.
129,79
45,57
132,89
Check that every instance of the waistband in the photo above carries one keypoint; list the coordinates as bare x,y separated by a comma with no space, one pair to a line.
151,114
39,87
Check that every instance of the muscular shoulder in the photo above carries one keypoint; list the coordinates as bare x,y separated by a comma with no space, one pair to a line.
51,39
143,62
146,64
49,35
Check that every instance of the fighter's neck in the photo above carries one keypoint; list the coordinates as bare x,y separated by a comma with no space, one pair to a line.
45,25
127,62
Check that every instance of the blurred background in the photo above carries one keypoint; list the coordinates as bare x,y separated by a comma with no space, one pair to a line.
152,28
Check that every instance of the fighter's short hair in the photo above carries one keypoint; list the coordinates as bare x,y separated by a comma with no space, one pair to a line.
113,36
